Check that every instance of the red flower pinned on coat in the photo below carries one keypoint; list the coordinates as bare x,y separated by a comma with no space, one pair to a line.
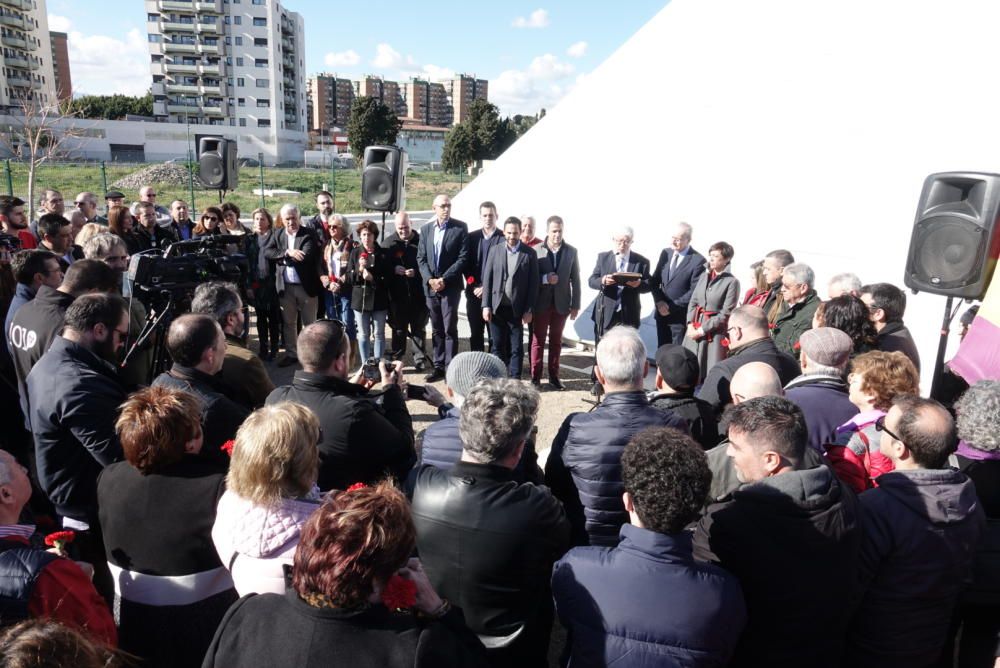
399,593
771,325
228,446
724,342
60,539
696,324
797,347
470,280
356,486
400,253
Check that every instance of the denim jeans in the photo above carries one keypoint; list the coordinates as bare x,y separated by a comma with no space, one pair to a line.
339,308
367,320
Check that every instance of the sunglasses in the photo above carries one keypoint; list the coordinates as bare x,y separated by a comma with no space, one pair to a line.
880,426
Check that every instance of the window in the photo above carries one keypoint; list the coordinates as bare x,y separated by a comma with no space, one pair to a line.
260,62
238,20
232,102
243,122
260,41
154,38
259,21
262,83
239,82
152,17
228,19
264,104
242,101
258,2
239,61
239,41
229,40
229,60
263,123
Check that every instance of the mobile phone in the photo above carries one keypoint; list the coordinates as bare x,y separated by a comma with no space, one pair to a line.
371,370
415,392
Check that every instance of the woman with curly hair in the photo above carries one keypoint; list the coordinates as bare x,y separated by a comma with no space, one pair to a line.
876,378
357,598
850,315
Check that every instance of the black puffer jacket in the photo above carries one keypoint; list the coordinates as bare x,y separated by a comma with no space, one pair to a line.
488,544
584,467
715,389
699,414
365,435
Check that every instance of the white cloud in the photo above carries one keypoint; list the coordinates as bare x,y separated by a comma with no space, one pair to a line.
435,73
58,23
538,19
387,57
347,58
577,50
103,65
541,84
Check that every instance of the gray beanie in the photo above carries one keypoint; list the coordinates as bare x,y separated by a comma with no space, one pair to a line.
467,369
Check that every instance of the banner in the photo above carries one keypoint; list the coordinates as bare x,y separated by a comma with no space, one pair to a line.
978,355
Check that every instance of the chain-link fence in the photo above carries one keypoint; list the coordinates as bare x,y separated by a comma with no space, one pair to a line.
269,187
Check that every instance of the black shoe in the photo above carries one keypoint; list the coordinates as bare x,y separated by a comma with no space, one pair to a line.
435,375
556,383
419,366
597,390
536,382
288,360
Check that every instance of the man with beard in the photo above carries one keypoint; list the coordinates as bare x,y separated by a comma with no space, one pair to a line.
180,220
13,221
480,242
86,203
321,221
148,233
54,233
407,309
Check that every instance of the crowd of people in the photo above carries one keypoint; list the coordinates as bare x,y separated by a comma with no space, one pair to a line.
784,496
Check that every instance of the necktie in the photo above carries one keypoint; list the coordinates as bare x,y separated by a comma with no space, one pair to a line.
674,261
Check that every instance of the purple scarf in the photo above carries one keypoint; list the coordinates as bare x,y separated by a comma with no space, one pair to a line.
972,452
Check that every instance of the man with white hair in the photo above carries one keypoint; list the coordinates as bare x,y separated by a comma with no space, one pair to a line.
584,465
844,284
801,302
618,303
297,251
672,283
147,194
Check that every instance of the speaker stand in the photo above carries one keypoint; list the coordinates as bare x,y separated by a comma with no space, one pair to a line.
949,315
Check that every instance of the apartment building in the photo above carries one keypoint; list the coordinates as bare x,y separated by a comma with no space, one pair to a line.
60,65
238,63
461,91
387,92
27,72
427,103
330,98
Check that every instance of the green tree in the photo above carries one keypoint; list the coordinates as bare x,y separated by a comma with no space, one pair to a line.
459,149
370,123
111,107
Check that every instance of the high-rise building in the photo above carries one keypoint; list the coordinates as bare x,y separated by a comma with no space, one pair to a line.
60,65
224,62
27,72
330,99
386,92
462,90
427,102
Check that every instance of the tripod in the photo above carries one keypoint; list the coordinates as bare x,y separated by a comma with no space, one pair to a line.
598,335
158,323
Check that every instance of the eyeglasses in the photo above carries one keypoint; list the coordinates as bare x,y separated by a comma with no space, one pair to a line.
210,219
880,426
150,194
442,206
120,333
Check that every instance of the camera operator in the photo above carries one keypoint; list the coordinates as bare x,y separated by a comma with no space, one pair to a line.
365,435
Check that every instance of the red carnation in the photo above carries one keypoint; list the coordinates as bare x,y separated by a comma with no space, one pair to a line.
59,539
771,325
356,486
724,342
797,346
399,593
400,253
228,446
364,256
696,325
470,280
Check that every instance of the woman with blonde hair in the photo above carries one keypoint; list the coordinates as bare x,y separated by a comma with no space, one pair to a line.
271,490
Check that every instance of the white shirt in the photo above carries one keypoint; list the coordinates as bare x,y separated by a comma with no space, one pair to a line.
291,276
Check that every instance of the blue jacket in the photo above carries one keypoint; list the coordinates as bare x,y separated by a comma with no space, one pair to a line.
647,602
584,468
825,404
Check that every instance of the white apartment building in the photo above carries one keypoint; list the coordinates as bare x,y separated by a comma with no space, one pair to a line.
236,63
27,71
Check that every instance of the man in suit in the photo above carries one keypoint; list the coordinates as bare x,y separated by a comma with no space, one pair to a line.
480,243
297,251
441,257
673,281
558,297
407,314
510,290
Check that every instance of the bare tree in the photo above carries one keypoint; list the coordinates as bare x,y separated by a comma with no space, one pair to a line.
39,132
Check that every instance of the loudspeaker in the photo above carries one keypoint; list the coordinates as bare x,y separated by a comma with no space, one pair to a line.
955,241
383,178
217,167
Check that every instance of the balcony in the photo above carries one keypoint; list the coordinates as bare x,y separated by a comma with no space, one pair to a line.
208,27
15,42
177,6
208,48
210,69
212,7
189,109
178,68
176,26
174,47
12,20
182,88
37,85
213,110
17,81
211,89
17,62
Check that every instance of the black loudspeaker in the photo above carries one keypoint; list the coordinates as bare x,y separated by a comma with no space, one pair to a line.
217,167
383,178
955,241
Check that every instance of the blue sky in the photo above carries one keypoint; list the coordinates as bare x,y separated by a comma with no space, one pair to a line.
532,53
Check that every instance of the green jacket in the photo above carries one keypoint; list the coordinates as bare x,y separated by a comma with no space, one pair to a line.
792,322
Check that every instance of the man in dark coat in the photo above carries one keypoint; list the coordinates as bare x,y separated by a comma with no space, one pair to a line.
487,541
922,525
748,342
611,600
442,256
886,305
672,282
558,298
197,346
618,304
365,436
676,375
801,302
791,535
297,251
584,465
510,290
821,391
480,242
407,308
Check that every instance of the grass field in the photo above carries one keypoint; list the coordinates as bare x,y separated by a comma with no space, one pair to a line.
72,178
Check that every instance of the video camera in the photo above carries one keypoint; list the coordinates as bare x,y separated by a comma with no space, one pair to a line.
9,242
184,265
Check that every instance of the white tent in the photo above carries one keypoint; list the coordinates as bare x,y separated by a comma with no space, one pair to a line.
768,124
